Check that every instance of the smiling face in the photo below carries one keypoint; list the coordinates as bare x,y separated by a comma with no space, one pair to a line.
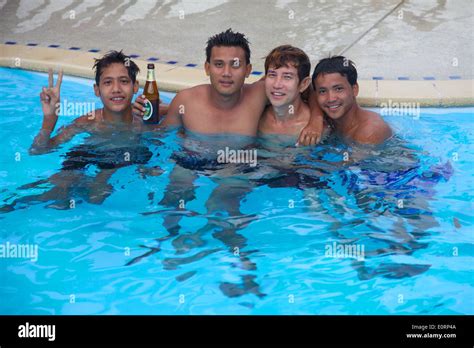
335,95
282,85
227,69
116,88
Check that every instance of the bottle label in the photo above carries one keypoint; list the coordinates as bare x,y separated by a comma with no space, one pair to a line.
148,111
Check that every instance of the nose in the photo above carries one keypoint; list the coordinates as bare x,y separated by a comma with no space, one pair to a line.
278,83
116,86
331,96
227,70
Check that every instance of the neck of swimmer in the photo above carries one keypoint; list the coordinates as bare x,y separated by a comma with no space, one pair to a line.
287,113
225,102
118,117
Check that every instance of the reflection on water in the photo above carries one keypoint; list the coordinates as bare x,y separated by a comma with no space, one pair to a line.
377,198
355,185
85,170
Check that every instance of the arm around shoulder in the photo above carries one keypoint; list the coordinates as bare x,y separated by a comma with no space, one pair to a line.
313,131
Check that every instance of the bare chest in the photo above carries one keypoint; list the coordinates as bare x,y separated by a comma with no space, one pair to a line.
237,120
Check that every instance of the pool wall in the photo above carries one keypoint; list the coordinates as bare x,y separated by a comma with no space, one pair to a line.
170,77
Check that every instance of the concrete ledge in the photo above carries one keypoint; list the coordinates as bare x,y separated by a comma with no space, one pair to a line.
431,93
173,78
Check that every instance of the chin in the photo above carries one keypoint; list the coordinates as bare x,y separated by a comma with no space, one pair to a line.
116,108
334,116
227,93
278,103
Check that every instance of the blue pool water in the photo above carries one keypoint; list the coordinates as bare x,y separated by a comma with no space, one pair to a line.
238,239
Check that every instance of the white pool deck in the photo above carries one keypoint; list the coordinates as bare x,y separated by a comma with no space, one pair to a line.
405,51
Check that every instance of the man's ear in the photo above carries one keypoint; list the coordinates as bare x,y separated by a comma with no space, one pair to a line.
136,85
355,89
96,90
304,84
206,68
249,70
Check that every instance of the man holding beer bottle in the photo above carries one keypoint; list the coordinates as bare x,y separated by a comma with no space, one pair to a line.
113,143
116,83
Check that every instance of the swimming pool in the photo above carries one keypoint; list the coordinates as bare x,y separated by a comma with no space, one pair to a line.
302,232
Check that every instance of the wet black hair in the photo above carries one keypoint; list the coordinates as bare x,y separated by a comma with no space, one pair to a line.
337,64
228,38
115,57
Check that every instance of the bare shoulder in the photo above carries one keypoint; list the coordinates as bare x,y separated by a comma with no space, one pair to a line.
373,129
257,84
193,91
88,119
189,95
257,88
79,125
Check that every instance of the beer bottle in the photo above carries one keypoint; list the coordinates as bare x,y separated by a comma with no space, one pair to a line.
151,115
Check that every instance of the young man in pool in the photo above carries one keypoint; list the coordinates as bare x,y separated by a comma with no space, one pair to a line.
287,70
335,89
116,83
287,77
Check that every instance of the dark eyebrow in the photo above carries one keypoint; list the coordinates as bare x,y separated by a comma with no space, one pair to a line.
119,77
336,86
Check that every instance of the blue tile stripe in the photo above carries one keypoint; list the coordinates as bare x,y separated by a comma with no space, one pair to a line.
192,65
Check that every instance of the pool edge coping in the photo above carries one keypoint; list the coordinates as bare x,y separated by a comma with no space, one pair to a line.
171,77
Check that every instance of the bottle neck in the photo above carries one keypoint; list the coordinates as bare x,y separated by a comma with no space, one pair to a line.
150,76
